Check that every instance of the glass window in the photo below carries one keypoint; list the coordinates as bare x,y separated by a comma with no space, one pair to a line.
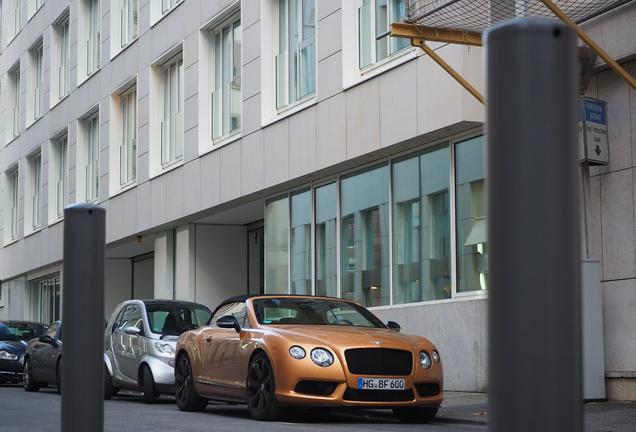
472,246
226,97
44,298
172,123
238,310
421,227
20,330
301,243
365,237
12,178
129,21
326,240
296,58
64,67
132,317
277,246
36,186
61,177
374,27
175,318
37,83
128,146
92,162
17,87
166,5
93,39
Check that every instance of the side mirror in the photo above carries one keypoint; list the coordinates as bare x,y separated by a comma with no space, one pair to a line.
132,330
393,326
47,340
228,322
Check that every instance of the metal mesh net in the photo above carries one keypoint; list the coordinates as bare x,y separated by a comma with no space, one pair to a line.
478,15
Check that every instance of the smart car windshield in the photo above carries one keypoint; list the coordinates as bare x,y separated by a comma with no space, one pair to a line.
15,331
173,319
309,311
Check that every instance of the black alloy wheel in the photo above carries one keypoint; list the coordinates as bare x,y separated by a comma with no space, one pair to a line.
261,389
148,386
29,382
186,394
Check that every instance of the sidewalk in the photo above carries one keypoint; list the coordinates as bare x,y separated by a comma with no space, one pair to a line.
472,408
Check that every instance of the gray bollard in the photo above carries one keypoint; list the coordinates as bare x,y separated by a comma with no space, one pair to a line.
534,299
83,318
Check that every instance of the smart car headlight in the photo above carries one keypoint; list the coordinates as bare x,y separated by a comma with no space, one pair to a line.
297,352
435,356
322,357
7,356
425,360
164,348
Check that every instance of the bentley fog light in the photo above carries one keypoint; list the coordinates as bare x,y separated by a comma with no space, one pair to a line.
322,357
297,352
164,348
425,360
435,356
7,356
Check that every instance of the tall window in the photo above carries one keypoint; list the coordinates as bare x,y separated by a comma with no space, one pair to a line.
64,62
44,298
35,163
37,81
296,58
12,192
301,243
15,105
326,240
128,21
60,179
374,27
128,145
277,246
93,37
172,118
33,6
17,16
92,160
226,97
364,237
472,246
421,227
166,5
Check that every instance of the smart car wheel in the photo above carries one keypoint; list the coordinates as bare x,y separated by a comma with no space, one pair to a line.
109,389
58,376
30,384
261,389
415,414
186,394
148,386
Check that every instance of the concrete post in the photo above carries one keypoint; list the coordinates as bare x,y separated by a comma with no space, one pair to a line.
534,300
83,301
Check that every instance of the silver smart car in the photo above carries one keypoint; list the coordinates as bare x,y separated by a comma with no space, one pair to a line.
140,340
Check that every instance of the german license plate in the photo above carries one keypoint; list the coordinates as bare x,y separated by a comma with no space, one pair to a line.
380,383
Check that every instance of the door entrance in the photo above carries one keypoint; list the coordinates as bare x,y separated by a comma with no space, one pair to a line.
256,258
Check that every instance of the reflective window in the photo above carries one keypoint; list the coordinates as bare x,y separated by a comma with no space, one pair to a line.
132,317
421,227
301,243
374,29
277,246
238,310
326,240
365,237
472,246
226,96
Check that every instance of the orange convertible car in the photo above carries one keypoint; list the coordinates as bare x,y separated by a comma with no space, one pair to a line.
273,351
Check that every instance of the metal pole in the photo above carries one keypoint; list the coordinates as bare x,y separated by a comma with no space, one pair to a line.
83,300
534,300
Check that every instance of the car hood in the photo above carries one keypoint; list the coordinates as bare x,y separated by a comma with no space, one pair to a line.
13,347
345,336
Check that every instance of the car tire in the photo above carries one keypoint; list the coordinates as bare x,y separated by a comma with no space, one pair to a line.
261,389
28,381
415,414
185,393
58,376
148,386
109,388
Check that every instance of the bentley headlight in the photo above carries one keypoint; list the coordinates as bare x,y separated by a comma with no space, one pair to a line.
322,357
297,352
425,360
435,356
164,348
7,356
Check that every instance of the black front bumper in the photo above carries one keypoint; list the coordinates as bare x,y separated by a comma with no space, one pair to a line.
11,369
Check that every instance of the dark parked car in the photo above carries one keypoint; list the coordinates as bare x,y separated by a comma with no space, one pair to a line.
42,359
14,336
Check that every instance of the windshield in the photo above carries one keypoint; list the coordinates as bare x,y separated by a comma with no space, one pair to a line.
15,331
174,319
313,312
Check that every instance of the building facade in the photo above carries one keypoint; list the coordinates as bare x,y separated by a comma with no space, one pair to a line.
277,146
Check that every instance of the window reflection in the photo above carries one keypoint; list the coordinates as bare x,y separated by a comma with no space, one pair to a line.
277,246
326,258
301,243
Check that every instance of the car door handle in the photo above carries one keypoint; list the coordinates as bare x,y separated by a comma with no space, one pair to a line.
208,339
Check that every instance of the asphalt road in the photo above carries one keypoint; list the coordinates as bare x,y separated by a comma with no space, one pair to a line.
30,412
